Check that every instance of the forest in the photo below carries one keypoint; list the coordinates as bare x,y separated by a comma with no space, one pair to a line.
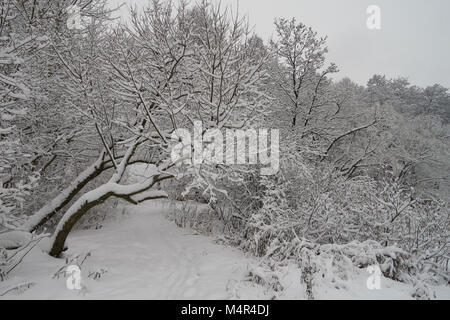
363,170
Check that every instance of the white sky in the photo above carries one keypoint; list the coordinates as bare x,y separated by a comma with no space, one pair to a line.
414,40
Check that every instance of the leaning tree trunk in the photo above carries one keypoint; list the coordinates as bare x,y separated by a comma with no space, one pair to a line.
68,194
64,197
133,193
97,196
74,214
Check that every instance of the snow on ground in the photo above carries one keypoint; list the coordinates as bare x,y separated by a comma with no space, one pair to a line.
146,257
143,255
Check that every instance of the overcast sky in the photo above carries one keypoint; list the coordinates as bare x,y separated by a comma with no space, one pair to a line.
414,40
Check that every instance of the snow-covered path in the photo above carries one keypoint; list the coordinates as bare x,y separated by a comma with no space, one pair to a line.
145,256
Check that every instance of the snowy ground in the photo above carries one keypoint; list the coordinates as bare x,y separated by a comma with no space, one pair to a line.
146,256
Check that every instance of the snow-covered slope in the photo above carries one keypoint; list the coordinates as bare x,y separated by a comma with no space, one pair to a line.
142,255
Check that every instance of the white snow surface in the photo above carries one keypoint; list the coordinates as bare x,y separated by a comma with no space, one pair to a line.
146,256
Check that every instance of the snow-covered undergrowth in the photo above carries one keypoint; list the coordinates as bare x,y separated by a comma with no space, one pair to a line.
335,265
144,255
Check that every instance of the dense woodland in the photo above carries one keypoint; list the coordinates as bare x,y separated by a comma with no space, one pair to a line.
364,170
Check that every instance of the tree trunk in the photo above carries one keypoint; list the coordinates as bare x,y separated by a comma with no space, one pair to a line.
61,235
65,196
94,198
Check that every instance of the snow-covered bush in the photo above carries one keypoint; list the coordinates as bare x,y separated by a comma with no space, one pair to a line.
196,216
357,221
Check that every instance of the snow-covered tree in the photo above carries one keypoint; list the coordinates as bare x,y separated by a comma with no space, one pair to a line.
127,91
